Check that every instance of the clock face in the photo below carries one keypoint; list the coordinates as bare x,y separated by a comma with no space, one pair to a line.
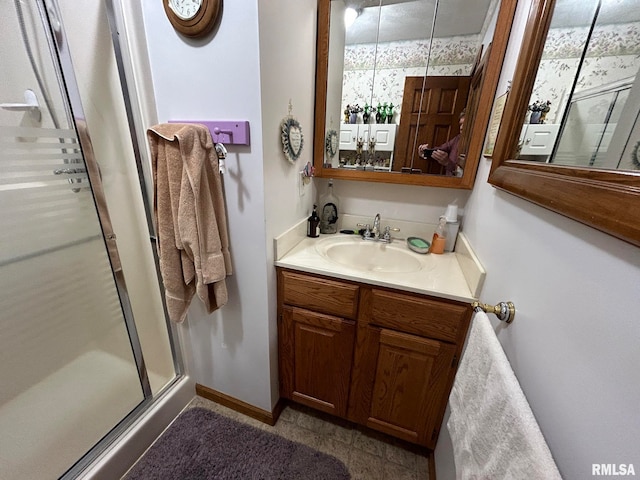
185,9
193,18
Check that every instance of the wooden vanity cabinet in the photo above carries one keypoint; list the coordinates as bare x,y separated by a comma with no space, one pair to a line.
316,336
379,357
406,357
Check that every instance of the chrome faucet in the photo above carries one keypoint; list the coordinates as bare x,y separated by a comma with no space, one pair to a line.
374,233
376,227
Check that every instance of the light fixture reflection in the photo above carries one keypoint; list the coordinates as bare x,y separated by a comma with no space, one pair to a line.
350,15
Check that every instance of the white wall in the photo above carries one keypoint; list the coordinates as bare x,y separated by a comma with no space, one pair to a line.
398,202
219,78
287,74
574,343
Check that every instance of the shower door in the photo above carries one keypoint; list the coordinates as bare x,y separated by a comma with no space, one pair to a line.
71,367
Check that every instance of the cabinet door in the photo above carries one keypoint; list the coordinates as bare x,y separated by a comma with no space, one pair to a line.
348,136
315,359
401,384
538,139
385,136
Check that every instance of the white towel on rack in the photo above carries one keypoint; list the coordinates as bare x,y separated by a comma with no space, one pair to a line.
494,433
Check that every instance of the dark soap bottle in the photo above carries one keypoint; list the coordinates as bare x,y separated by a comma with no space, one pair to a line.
313,224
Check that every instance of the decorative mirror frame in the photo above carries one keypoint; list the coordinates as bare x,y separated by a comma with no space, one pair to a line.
479,128
290,152
331,144
603,199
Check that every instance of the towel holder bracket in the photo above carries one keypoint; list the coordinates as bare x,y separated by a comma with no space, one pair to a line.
229,132
505,311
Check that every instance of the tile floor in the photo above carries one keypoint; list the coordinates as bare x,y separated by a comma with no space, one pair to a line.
368,455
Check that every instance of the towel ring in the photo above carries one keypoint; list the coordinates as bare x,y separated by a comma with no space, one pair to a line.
505,311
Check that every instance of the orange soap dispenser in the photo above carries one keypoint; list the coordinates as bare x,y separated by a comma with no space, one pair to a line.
439,236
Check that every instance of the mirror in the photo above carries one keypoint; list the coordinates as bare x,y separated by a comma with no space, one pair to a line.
587,92
369,65
578,70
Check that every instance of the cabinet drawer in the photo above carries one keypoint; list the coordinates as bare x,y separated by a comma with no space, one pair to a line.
320,294
421,316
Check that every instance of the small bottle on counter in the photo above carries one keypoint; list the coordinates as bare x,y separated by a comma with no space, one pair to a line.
439,236
329,214
313,224
453,225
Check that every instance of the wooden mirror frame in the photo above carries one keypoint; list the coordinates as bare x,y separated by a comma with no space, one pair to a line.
479,128
603,199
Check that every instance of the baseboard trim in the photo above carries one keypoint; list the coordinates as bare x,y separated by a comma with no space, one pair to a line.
431,462
270,418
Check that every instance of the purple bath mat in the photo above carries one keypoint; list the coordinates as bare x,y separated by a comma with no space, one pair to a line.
202,445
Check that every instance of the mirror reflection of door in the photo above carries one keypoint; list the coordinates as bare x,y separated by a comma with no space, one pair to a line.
369,60
429,116
477,81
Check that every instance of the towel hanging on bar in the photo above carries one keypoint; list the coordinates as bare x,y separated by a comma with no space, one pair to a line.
190,217
494,432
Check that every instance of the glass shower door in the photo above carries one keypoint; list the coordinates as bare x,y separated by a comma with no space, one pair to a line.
70,362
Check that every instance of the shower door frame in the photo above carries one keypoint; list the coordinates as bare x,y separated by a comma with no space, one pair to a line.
115,16
62,61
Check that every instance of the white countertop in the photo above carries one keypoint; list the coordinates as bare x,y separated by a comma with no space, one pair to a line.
439,275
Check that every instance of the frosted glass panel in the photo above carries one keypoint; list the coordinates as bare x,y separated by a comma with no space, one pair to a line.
41,212
589,128
67,365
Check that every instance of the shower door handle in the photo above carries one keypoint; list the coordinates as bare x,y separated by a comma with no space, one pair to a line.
61,171
71,171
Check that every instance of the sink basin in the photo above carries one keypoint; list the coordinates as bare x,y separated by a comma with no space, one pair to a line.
370,256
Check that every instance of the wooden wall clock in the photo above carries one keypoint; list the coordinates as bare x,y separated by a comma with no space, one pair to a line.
193,18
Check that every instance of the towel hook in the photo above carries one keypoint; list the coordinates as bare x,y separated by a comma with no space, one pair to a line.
505,311
221,152
217,131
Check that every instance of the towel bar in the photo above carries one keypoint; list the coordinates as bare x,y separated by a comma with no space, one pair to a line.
224,131
505,311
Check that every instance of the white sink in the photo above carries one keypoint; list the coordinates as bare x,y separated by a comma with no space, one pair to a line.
371,256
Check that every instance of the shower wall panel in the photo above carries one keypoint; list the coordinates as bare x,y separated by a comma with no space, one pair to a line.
92,54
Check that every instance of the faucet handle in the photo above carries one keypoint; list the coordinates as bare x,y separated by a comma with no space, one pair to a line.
367,231
387,233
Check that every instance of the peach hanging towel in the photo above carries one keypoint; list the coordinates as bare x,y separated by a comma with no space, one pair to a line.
190,217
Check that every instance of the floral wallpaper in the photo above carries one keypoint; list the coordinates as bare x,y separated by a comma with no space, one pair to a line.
607,41
613,55
394,61
403,54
